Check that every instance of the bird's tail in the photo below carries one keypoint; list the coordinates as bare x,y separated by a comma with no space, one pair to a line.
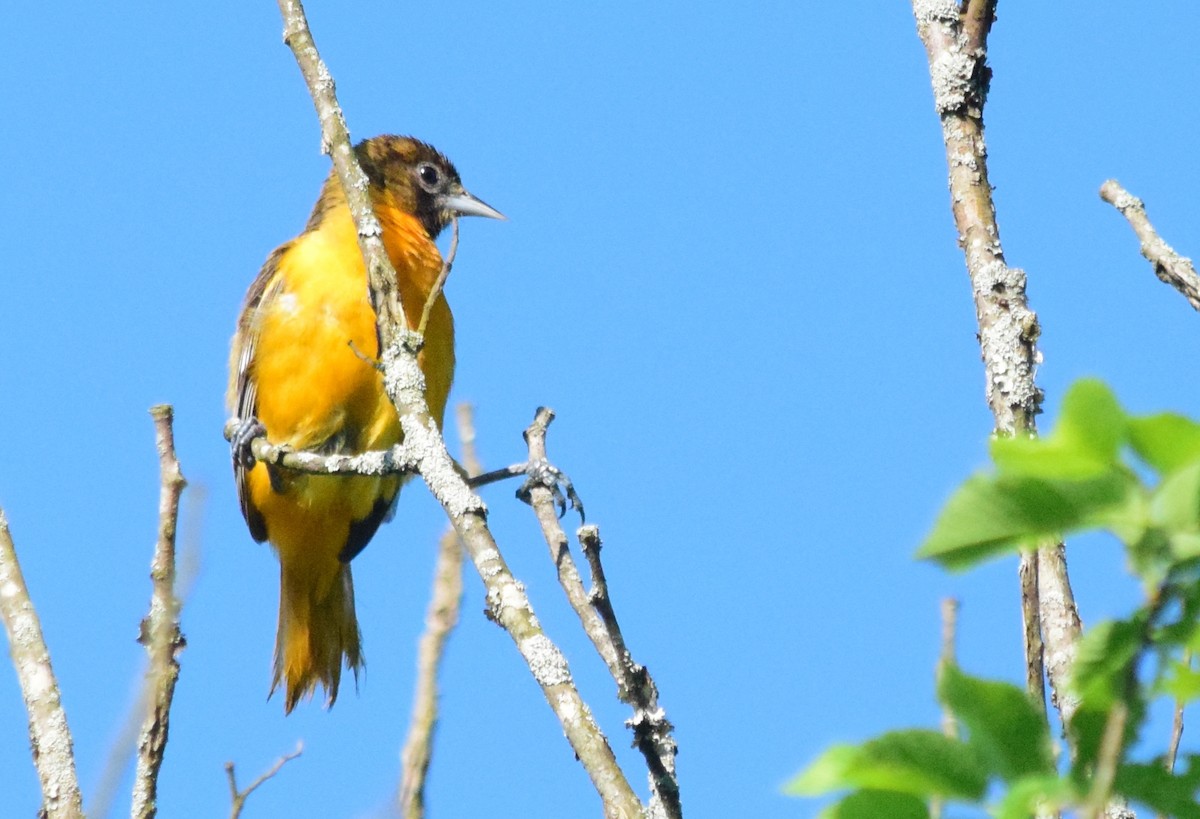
318,631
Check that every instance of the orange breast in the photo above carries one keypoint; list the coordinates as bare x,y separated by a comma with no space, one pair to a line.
316,386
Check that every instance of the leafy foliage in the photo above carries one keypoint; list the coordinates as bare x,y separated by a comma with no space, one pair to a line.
1137,477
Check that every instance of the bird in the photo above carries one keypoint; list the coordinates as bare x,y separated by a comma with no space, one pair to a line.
303,373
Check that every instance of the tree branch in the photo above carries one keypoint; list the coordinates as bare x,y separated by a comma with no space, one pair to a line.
125,743
238,798
404,384
398,460
949,611
440,619
956,44
49,735
160,630
1169,266
651,728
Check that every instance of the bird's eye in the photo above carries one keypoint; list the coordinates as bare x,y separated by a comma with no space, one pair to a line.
429,175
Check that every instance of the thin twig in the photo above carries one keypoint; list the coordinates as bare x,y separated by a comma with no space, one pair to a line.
949,611
238,798
1176,731
1177,723
436,291
404,383
955,39
49,735
651,728
1109,756
1031,619
1176,735
1169,266
652,731
946,659
124,746
440,619
160,630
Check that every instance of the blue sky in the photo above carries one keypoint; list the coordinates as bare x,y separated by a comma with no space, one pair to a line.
730,266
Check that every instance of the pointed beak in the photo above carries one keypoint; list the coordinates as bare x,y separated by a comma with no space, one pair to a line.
465,204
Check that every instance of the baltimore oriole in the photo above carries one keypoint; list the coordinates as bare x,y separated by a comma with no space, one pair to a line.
301,373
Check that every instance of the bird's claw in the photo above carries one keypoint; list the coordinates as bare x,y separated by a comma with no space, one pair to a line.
542,473
242,437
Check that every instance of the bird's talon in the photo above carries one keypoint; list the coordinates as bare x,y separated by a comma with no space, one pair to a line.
545,474
243,436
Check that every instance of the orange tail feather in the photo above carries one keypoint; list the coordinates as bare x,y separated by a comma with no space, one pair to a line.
318,632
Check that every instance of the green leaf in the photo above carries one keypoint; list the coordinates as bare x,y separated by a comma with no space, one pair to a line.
1151,556
1102,660
1087,731
1185,546
1085,443
917,762
1166,442
1035,796
1004,726
1175,504
1152,785
1181,681
874,804
988,516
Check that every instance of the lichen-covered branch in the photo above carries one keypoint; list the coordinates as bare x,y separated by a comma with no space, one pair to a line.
651,728
404,384
1177,271
955,39
398,460
125,745
440,619
160,630
49,736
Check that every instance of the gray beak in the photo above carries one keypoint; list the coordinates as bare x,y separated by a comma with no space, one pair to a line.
465,204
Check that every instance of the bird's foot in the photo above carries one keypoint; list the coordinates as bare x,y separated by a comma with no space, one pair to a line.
241,433
538,472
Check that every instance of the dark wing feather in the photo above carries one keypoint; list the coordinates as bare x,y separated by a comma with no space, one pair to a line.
244,389
361,531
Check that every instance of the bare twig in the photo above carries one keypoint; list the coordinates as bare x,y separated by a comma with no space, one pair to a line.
543,504
404,383
440,619
651,728
124,745
160,630
1169,266
1177,723
1109,756
1031,620
1176,734
949,610
436,291
946,658
238,798
635,687
49,736
955,39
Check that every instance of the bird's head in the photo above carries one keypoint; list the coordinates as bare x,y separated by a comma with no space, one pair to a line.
419,180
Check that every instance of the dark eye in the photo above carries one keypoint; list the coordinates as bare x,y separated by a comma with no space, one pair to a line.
430,177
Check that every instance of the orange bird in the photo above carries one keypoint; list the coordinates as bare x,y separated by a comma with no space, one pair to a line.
301,373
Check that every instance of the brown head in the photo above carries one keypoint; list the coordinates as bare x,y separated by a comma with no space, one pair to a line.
413,177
